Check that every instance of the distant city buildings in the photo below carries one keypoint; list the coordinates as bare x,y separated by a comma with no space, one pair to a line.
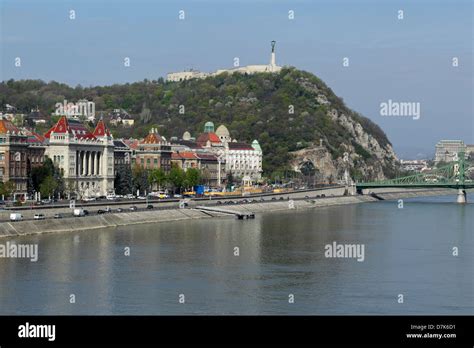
249,69
447,150
88,160
242,160
414,165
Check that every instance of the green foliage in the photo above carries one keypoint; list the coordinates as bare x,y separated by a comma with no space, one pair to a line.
192,178
38,174
251,106
176,177
7,188
48,186
157,177
123,180
140,179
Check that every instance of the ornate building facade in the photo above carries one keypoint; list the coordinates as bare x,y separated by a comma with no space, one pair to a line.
86,159
14,156
153,152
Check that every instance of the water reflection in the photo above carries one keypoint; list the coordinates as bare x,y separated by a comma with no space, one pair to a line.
407,251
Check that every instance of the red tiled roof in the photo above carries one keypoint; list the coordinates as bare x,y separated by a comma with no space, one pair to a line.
183,155
131,143
152,138
73,127
6,126
34,137
101,130
204,137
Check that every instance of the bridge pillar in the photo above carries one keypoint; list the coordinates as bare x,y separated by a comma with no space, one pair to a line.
462,196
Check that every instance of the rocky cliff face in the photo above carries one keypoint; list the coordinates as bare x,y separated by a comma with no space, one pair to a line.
365,156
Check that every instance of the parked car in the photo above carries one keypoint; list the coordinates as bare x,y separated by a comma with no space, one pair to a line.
89,199
218,202
149,206
119,210
108,210
58,216
46,201
39,217
100,211
323,195
86,212
141,197
133,208
16,217
79,212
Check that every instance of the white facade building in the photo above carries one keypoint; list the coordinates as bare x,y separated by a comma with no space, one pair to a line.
248,69
86,159
244,160
447,150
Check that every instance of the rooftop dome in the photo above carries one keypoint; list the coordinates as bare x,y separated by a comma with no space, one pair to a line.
222,131
256,145
209,127
186,135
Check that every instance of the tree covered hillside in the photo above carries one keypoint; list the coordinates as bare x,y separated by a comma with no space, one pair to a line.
286,112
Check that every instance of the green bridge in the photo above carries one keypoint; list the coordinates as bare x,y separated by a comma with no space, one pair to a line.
450,176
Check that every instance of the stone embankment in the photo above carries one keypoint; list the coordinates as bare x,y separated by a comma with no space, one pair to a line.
296,201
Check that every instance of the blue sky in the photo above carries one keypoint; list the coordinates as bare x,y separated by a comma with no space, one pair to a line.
405,60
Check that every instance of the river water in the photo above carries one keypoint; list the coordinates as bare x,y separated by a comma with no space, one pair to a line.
280,266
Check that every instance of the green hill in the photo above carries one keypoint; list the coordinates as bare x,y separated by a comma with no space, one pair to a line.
287,112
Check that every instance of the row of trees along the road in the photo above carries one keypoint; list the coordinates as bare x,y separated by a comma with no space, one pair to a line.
129,180
49,181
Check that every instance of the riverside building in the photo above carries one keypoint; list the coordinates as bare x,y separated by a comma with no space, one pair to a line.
86,159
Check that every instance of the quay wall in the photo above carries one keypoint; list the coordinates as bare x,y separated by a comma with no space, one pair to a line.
68,224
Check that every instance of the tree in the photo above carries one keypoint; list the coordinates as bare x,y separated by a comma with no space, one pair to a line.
230,181
176,177
38,174
123,180
157,177
8,188
71,187
139,179
48,186
192,177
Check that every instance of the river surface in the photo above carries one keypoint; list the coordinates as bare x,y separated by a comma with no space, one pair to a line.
280,268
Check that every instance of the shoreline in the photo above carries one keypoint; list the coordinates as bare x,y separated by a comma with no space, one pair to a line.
72,224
